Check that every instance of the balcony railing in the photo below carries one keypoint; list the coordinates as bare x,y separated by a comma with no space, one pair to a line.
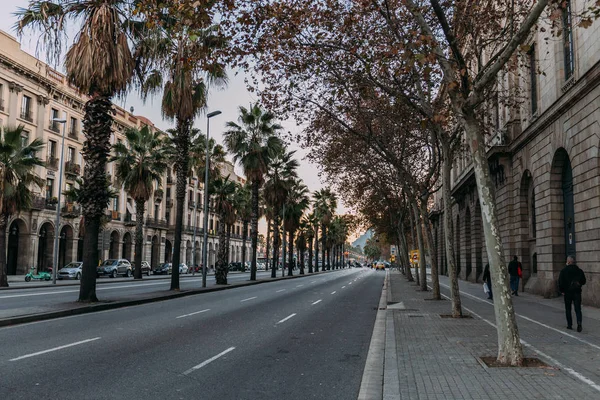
38,203
128,219
191,204
50,203
54,126
27,115
52,162
70,211
72,169
113,215
157,223
73,134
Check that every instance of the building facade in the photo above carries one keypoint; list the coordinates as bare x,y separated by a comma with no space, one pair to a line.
544,159
32,94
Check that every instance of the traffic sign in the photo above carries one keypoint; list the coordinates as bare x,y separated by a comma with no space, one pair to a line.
414,256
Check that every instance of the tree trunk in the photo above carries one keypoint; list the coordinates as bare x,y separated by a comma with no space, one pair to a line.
428,236
182,145
3,265
221,267
450,257
254,227
275,247
414,244
268,243
406,259
323,245
228,251
245,228
301,254
291,253
316,249
97,128
422,260
140,206
310,255
509,344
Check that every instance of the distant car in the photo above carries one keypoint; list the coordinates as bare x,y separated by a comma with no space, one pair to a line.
70,271
261,267
380,265
114,267
162,269
235,266
145,268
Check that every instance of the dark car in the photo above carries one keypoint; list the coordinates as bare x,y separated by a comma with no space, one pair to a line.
145,268
235,266
162,269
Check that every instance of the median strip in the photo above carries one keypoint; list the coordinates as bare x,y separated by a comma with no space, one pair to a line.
189,371
54,349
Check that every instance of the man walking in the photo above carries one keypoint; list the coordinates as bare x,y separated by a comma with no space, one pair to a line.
570,281
513,271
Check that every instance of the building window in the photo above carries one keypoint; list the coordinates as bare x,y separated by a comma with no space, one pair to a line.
49,188
51,149
54,126
1,97
568,47
156,211
73,128
532,217
116,203
533,80
26,109
71,155
24,138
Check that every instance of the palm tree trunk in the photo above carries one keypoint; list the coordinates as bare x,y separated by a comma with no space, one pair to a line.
97,128
182,144
221,267
228,253
291,253
301,256
3,266
310,254
268,244
328,258
316,249
245,228
275,247
140,206
254,227
323,245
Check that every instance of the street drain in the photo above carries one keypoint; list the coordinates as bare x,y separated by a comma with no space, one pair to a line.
529,362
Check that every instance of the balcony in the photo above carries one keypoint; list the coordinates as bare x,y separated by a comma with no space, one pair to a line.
191,204
70,211
27,115
50,203
157,223
113,215
38,203
73,134
72,169
52,163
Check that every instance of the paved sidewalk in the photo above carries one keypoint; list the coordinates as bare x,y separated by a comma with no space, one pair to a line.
429,357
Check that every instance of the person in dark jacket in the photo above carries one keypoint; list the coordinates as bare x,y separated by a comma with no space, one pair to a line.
570,281
513,271
487,280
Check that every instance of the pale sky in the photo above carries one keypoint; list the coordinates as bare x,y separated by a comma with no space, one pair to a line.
227,100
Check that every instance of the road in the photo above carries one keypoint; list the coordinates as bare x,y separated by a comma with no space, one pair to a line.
25,300
303,338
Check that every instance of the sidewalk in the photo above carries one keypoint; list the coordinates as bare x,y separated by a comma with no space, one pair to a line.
429,357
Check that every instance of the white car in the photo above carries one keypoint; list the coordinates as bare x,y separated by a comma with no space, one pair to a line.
70,271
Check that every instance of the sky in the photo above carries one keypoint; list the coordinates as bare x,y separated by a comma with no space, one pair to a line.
226,100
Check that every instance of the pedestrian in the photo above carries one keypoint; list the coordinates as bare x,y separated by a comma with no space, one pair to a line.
570,281
487,280
513,271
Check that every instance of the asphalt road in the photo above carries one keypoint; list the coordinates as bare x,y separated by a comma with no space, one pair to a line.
25,300
303,338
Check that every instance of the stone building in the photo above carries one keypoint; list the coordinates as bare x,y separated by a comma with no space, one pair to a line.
543,156
33,94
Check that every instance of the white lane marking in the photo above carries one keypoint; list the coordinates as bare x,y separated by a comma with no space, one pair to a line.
280,290
194,313
189,371
299,285
334,292
343,287
350,283
313,281
316,302
248,299
286,318
54,349
530,320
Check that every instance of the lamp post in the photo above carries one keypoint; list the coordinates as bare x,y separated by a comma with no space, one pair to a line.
194,236
62,121
206,167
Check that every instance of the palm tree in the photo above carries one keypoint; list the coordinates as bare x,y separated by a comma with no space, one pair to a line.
99,64
297,202
223,190
301,244
243,208
175,60
280,181
254,143
17,162
140,165
325,205
197,163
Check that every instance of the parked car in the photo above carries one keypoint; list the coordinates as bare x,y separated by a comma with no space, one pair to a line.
261,266
145,268
114,267
70,271
235,266
380,266
183,269
164,268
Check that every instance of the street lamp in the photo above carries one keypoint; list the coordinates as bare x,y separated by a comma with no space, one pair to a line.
206,166
62,121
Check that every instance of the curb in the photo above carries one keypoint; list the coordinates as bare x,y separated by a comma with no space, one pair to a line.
86,309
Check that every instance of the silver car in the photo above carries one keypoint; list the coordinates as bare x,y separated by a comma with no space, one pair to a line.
70,271
114,267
